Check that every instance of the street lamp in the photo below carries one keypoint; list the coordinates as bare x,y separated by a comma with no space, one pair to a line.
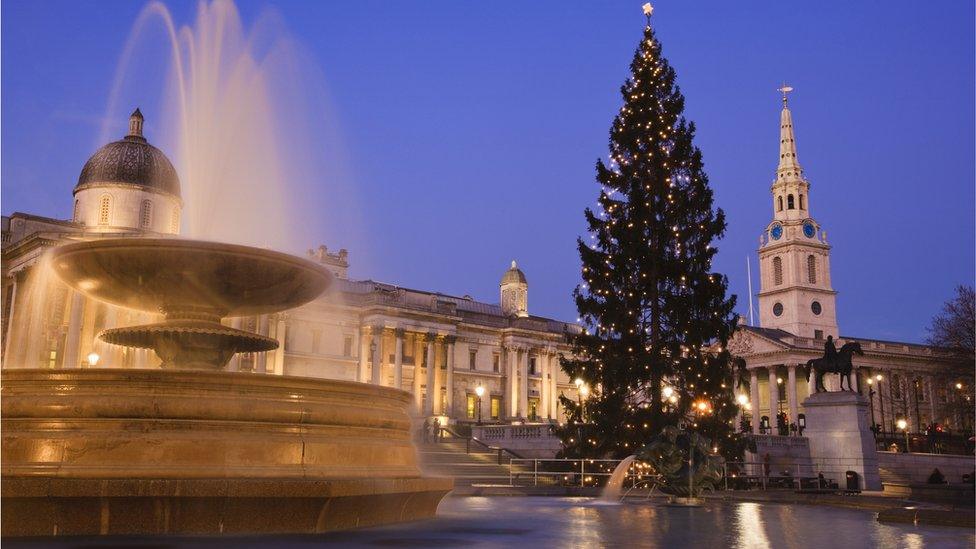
903,425
874,424
93,359
480,391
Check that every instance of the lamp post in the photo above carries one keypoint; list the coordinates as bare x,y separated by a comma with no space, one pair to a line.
903,425
480,391
879,378
93,359
874,424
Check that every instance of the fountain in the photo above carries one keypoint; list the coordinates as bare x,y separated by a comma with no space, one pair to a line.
188,448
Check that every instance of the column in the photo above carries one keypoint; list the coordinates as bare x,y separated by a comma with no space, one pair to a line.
431,376
449,383
754,399
376,348
543,362
554,387
791,394
363,354
511,391
10,321
418,357
523,390
235,361
930,395
398,359
261,359
279,357
73,339
773,399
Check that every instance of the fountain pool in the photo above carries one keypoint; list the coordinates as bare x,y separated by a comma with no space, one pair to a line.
584,522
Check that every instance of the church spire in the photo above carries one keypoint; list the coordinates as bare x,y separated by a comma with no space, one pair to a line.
789,167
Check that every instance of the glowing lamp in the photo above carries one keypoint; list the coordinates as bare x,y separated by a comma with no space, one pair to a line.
93,359
902,424
480,391
668,391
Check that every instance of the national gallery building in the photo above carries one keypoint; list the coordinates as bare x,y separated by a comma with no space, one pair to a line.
438,347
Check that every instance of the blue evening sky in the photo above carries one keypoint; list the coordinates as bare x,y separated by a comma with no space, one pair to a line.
470,131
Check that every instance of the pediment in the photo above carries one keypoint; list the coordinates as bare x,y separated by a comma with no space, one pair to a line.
744,343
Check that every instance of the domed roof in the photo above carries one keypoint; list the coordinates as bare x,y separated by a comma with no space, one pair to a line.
133,161
514,275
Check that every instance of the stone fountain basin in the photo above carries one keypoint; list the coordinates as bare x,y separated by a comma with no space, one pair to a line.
172,274
123,452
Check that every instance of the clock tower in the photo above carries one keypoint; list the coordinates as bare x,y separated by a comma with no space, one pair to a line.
794,257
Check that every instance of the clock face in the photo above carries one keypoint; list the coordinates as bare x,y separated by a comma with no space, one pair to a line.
776,232
809,230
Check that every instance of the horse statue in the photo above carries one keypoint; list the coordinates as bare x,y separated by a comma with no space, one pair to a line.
841,365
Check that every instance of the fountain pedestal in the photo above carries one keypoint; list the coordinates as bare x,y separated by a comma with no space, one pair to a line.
838,428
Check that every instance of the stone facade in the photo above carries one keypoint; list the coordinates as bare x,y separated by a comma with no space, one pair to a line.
797,312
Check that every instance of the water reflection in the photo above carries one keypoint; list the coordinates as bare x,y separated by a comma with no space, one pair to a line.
534,522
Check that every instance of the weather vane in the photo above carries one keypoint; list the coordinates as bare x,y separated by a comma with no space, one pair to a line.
648,10
785,90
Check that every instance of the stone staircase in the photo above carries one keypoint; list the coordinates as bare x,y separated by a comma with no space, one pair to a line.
466,464
894,484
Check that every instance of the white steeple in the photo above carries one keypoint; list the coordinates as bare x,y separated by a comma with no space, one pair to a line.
794,257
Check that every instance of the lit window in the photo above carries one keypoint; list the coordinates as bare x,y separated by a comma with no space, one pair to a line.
104,209
496,407
145,214
470,407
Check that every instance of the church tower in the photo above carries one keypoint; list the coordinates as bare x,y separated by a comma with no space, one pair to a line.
794,257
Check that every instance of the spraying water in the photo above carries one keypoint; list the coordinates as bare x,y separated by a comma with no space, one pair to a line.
246,120
616,483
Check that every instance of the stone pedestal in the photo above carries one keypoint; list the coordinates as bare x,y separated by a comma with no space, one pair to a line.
838,428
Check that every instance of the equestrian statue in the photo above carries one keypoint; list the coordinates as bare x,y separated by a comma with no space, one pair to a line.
834,362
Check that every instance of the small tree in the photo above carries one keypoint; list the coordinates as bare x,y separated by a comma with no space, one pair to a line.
954,330
656,317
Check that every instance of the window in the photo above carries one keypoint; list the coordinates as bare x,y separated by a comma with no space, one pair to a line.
533,409
777,270
174,222
778,309
811,269
818,334
895,386
779,200
801,202
472,360
532,371
789,202
496,360
347,346
496,407
316,340
471,406
77,212
816,308
104,209
145,214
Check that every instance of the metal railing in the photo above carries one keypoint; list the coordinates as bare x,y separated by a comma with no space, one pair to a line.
565,472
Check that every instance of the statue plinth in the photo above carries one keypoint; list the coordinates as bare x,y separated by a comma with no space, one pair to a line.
839,432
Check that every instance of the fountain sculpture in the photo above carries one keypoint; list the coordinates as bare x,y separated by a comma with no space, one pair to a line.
189,448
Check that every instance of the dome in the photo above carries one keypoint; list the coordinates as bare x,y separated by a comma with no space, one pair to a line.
132,161
514,276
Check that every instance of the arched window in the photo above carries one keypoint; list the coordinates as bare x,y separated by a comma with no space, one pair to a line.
174,224
780,200
801,203
77,212
145,214
789,202
777,271
104,209
811,269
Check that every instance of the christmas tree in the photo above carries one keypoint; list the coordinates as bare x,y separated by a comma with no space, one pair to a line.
656,319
